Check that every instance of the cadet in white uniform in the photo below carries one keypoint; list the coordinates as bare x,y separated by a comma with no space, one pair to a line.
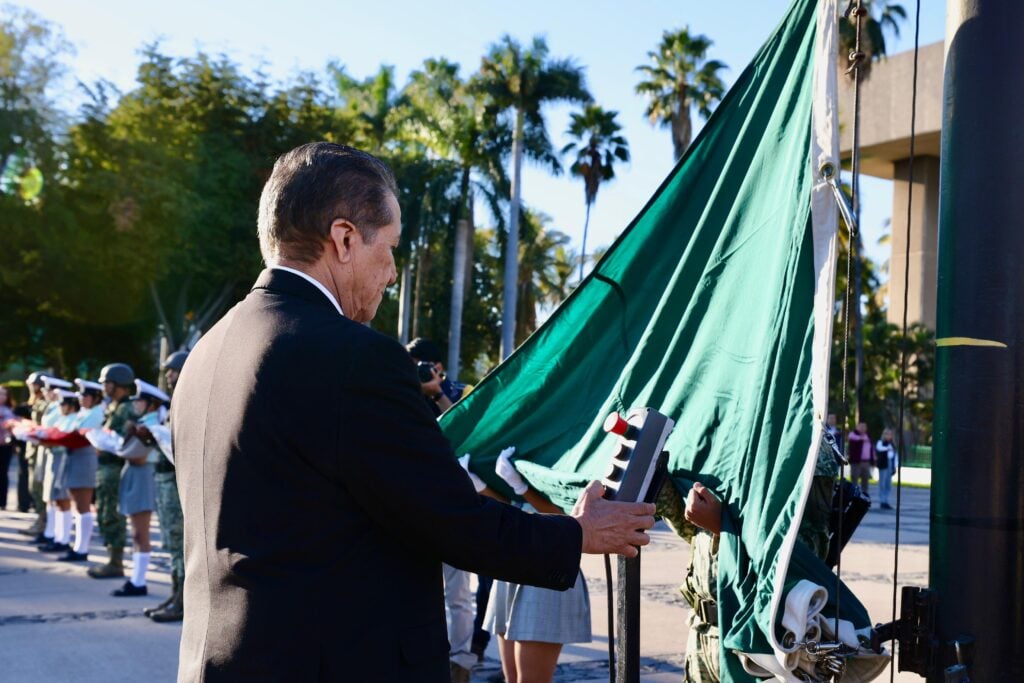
137,492
80,470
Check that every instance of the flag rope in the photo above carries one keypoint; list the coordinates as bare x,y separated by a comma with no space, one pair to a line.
857,11
903,345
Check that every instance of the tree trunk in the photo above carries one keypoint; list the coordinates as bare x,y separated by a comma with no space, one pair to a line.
583,251
682,130
460,273
458,297
470,246
508,317
422,268
165,350
405,301
526,318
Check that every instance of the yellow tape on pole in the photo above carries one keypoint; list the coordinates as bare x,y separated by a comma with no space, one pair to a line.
968,341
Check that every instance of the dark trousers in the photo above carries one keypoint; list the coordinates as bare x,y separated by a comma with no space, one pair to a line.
24,479
483,593
6,452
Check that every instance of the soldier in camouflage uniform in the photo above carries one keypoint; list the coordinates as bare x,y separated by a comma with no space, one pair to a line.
118,382
701,586
168,509
33,454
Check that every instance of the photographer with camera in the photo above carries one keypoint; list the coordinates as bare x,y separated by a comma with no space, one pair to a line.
440,391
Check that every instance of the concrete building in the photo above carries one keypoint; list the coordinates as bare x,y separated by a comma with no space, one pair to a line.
885,150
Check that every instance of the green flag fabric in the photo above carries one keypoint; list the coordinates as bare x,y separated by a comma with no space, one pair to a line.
714,307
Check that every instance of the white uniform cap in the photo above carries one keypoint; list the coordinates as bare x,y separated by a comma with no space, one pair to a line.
56,383
85,385
66,395
145,390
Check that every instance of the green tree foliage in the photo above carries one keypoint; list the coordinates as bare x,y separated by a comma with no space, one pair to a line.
884,345
145,229
32,53
151,218
679,79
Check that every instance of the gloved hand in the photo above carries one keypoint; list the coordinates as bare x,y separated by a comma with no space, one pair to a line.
507,471
478,483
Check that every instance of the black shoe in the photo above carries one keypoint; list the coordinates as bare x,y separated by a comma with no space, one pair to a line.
40,539
54,547
885,506
72,556
129,590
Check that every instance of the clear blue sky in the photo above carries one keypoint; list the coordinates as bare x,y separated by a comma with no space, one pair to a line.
610,38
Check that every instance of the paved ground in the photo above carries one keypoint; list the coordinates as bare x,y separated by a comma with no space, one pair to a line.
54,620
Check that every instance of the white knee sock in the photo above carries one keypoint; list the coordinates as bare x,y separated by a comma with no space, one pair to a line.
140,562
63,528
51,520
83,531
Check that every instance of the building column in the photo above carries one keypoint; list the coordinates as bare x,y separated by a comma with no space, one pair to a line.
924,238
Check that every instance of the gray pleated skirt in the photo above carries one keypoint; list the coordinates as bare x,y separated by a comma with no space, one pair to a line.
138,489
54,487
80,468
518,612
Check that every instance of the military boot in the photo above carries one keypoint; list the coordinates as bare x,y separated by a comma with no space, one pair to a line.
148,611
114,567
175,609
37,526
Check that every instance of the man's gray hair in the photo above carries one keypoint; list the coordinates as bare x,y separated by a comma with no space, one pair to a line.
312,186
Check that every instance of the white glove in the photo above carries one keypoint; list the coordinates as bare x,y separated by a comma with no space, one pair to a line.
478,483
507,471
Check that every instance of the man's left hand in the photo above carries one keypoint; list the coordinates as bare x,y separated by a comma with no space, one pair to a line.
704,509
612,526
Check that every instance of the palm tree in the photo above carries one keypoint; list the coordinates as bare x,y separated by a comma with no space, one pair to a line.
597,145
373,105
680,78
520,80
448,120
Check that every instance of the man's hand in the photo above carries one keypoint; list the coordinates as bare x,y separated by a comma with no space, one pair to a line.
704,509
609,526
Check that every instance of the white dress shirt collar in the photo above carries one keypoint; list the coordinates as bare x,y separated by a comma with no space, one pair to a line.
313,281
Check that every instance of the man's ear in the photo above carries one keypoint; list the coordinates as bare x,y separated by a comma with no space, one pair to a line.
342,234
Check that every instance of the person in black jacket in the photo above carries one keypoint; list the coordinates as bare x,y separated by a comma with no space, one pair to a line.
339,578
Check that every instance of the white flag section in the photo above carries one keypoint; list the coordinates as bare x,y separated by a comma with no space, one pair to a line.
105,440
162,434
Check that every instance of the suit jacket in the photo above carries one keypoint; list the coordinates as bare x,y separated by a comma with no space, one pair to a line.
320,499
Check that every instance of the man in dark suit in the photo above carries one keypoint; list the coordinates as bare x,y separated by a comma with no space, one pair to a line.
339,579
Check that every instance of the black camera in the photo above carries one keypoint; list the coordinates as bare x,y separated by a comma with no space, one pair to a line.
426,371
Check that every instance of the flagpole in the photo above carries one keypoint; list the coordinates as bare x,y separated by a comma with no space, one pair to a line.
977,517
